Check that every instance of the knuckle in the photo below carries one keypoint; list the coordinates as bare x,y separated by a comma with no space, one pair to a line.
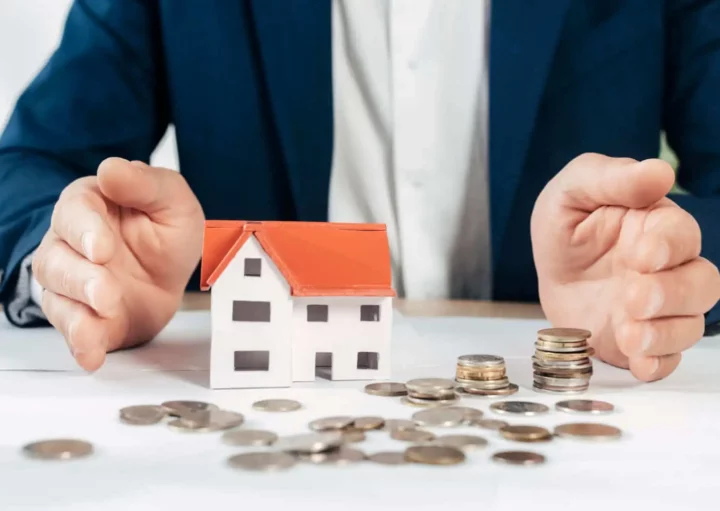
66,282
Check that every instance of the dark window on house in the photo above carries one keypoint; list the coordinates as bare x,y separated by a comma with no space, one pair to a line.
369,313
317,313
252,267
251,311
252,360
367,360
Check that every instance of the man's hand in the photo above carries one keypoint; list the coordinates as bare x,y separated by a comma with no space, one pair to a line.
617,257
117,257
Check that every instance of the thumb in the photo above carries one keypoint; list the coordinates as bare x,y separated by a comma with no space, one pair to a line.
158,192
591,181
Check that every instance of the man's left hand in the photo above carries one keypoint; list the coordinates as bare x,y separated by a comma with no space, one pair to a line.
614,255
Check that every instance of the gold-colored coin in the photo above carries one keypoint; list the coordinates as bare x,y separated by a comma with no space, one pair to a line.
567,357
588,431
368,423
412,435
386,389
525,433
179,408
518,458
434,455
563,334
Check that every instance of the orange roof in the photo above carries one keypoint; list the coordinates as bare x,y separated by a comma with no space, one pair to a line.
316,258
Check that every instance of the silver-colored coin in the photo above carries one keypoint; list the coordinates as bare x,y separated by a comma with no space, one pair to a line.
463,442
179,408
331,423
393,424
353,435
429,385
439,417
412,435
518,458
470,414
58,449
589,406
519,408
491,424
386,389
262,461
559,390
558,348
560,382
481,360
500,383
545,363
207,421
310,442
563,334
426,403
368,423
142,415
476,392
249,437
388,458
343,456
277,405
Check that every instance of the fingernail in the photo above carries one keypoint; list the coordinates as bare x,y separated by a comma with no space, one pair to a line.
655,302
654,366
648,339
91,292
661,256
87,240
68,341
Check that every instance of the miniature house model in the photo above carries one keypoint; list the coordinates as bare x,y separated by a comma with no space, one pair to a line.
291,298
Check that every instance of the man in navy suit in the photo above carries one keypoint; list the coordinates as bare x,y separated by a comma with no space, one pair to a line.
510,148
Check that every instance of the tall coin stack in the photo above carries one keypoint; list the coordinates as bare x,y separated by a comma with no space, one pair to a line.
562,362
483,375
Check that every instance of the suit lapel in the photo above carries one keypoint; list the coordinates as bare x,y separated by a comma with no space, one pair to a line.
295,47
524,35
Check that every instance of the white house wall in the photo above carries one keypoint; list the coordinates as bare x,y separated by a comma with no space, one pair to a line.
344,335
228,336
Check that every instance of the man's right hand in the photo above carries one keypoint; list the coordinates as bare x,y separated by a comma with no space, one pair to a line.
119,253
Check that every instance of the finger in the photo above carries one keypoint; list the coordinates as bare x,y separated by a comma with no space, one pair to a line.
688,290
161,193
63,271
84,332
80,219
671,237
649,369
658,337
593,180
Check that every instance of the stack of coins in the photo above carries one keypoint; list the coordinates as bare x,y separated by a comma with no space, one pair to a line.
562,364
483,375
430,392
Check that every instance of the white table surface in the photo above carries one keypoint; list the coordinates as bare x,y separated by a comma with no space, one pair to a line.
669,457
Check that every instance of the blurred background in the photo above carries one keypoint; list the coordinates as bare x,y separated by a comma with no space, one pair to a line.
29,32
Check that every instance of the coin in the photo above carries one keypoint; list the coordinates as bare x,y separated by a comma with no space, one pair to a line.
525,433
584,406
484,384
561,347
142,415
368,423
565,357
262,461
429,385
568,383
588,431
353,435
309,442
343,456
559,390
207,421
463,442
58,449
439,417
467,374
178,408
563,334
386,389
393,424
491,424
248,437
518,458
519,408
468,391
277,405
567,365
388,458
409,400
434,455
469,414
412,435
330,423
481,360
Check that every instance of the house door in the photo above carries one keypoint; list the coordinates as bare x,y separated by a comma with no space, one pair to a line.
323,365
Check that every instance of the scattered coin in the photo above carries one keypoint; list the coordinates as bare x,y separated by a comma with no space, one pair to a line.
439,417
352,435
142,415
309,442
249,437
434,455
368,423
563,334
412,435
518,458
469,414
178,408
331,423
262,461
207,421
462,442
584,406
519,408
388,458
491,424
386,389
58,449
277,405
343,456
525,433
393,424
588,431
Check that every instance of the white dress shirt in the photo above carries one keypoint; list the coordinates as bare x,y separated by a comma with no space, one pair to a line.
410,89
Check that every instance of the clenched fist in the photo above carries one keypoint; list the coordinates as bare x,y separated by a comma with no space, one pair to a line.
616,256
115,262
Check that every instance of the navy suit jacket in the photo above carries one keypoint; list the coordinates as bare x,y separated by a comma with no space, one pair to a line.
247,85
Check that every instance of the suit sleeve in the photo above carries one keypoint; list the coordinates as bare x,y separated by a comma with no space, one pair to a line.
101,94
692,117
